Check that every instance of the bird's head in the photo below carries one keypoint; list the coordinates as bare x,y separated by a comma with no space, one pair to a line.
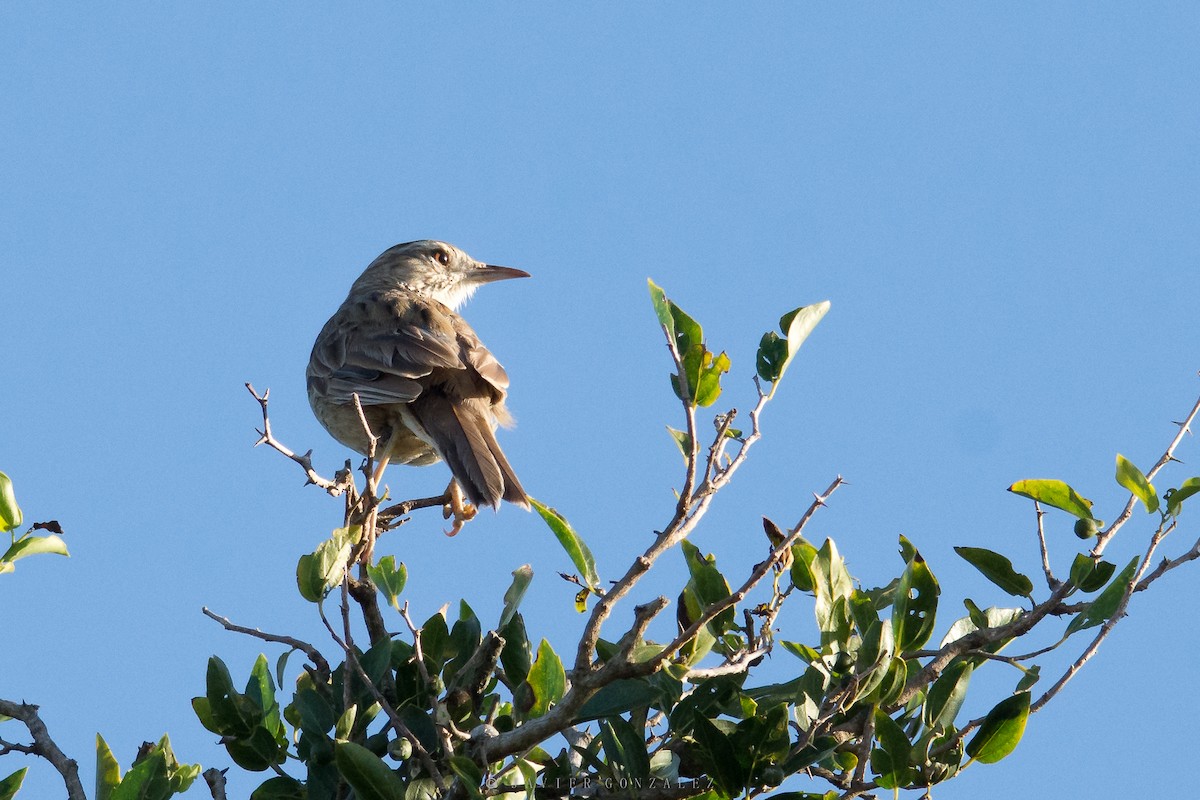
434,269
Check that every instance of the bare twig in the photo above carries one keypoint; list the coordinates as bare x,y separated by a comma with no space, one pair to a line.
1051,581
44,746
342,480
1108,625
311,652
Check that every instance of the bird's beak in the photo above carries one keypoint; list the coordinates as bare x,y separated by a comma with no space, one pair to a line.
488,273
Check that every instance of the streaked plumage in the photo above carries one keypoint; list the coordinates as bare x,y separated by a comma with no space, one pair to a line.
429,388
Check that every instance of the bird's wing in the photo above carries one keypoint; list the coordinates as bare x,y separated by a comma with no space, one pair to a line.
381,345
481,361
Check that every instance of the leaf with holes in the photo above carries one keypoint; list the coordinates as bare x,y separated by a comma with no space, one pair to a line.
915,606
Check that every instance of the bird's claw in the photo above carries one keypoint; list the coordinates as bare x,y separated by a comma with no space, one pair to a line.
458,508
463,514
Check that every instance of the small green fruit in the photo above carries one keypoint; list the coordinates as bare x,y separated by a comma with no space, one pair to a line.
1087,528
400,749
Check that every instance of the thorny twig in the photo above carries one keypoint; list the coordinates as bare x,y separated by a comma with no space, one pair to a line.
44,746
342,480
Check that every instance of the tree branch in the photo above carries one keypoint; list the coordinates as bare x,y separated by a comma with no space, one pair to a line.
313,654
44,746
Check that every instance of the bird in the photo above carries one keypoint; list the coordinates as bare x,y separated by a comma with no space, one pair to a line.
428,388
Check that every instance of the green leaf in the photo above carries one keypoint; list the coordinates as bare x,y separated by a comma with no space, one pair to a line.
29,545
801,651
281,787
721,761
316,715
624,747
108,771
389,579
1054,493
619,697
318,572
915,607
470,776
366,773
576,548
345,723
1031,676
1001,730
1132,479
662,308
1089,575
1175,497
682,441
976,620
946,695
516,655
522,576
890,759
1105,605
229,712
156,776
10,785
803,555
706,588
775,354
997,569
10,513
261,689
547,679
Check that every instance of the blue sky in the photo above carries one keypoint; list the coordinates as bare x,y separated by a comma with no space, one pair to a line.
1000,201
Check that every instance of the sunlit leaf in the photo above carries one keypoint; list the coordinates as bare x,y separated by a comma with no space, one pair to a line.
915,607
1175,497
30,545
682,441
1055,493
991,618
547,679
108,771
389,578
572,542
1132,479
318,572
522,576
775,353
10,513
10,785
1001,730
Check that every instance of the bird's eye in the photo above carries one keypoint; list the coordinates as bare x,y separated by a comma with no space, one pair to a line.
442,257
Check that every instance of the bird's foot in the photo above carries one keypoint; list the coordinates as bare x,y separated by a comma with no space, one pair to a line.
458,508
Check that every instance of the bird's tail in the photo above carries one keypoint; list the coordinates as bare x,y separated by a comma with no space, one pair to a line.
462,435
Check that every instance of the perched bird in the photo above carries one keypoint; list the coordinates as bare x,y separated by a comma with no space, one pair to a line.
428,388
